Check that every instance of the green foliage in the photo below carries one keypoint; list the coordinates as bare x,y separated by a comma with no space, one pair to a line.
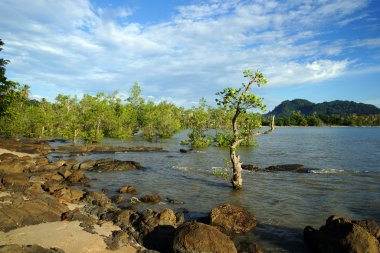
219,173
198,123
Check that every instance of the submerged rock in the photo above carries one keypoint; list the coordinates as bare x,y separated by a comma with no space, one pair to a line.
344,235
250,167
232,219
287,167
153,198
199,237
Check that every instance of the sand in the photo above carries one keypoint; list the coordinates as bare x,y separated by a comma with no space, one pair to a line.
66,235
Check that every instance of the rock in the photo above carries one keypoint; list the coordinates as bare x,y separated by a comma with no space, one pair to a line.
65,172
199,237
22,212
97,198
35,189
17,165
31,146
342,235
15,179
287,167
153,198
126,218
250,167
7,156
109,165
70,194
249,247
117,240
232,219
119,199
12,248
127,189
134,200
182,150
105,149
176,202
77,176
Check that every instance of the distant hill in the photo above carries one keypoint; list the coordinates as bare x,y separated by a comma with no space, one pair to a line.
337,107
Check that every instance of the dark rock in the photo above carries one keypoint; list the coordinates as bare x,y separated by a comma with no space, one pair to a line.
119,199
342,235
127,189
232,219
12,248
248,247
250,167
160,239
199,237
153,198
97,198
176,202
105,149
31,146
109,165
182,150
126,218
287,167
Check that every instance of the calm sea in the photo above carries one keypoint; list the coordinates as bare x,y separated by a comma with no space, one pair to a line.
344,180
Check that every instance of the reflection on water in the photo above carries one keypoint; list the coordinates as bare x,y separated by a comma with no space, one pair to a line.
346,182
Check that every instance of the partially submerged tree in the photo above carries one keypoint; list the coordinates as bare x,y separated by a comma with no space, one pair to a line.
240,100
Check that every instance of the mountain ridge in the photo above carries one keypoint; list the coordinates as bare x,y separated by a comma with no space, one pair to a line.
336,107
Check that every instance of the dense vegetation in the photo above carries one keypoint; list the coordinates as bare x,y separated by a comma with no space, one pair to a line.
301,112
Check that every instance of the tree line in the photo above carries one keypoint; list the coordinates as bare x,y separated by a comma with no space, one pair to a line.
297,119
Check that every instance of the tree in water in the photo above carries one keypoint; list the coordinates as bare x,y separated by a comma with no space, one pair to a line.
240,100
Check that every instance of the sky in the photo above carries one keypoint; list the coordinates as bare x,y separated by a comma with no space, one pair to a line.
183,50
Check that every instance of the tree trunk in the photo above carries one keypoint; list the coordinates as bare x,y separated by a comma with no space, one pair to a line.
237,179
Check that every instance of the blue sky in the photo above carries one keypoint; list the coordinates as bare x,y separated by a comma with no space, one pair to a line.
183,50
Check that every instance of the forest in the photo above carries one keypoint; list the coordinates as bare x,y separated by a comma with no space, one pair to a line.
91,118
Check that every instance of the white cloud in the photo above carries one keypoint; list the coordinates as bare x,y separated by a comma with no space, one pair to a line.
74,46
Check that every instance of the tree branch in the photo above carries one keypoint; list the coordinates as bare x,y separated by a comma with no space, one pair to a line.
272,127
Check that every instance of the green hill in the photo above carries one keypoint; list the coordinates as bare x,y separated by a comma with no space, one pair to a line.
337,107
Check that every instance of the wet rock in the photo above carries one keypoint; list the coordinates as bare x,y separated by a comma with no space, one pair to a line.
199,237
287,167
342,235
182,150
249,247
22,211
134,200
250,167
127,189
232,219
153,198
12,248
176,202
109,165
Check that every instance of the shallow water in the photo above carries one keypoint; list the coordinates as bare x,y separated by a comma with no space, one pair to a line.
345,180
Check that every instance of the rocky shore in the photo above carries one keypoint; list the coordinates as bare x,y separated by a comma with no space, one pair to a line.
49,207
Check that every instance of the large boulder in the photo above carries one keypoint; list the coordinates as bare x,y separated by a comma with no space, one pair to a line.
109,165
232,219
343,235
152,198
199,237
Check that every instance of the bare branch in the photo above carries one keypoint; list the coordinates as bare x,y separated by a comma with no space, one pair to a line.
272,127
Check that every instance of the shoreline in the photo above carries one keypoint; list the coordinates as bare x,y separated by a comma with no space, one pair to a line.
60,186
